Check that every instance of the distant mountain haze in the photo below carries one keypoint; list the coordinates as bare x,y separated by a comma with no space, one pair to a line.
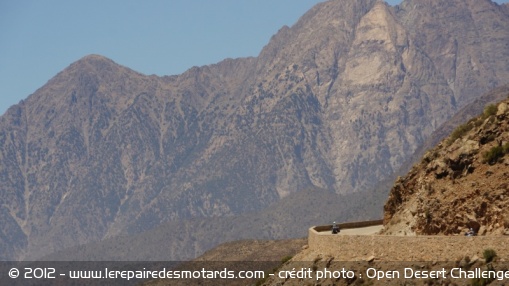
337,102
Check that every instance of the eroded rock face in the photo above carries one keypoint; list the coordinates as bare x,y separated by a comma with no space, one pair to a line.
338,101
458,185
502,110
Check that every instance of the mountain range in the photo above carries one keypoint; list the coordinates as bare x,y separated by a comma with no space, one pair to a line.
336,103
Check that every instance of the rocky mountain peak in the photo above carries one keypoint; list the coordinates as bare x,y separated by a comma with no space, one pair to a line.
505,8
94,60
461,183
99,66
379,24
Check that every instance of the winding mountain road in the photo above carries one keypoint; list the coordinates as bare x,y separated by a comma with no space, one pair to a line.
369,230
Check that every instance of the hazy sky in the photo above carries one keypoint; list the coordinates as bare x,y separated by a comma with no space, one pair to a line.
164,37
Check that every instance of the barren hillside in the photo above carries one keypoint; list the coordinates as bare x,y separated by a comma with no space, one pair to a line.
459,184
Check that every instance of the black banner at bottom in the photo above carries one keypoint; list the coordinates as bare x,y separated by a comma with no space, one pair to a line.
321,271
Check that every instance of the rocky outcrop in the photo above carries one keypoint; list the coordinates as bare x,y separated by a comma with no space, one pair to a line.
460,184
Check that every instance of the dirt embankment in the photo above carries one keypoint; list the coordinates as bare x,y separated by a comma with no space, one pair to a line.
361,254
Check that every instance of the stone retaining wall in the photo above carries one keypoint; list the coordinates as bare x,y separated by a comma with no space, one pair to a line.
346,225
406,248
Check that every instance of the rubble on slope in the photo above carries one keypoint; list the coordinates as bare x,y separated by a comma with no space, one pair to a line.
460,184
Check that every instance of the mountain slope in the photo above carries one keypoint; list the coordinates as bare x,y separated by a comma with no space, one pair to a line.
461,183
183,240
337,102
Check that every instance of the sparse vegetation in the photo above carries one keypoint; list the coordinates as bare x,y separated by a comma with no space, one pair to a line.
315,261
489,254
483,281
505,148
492,156
460,131
429,216
490,110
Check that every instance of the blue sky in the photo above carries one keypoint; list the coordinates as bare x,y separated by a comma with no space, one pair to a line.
164,37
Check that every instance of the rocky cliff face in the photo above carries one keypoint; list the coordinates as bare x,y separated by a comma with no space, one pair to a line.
460,184
385,77
338,102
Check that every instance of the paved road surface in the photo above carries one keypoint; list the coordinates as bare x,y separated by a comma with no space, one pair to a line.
369,230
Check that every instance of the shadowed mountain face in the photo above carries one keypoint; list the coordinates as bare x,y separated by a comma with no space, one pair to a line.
338,102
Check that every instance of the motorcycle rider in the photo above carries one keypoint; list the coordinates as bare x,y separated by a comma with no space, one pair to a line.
470,232
335,228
